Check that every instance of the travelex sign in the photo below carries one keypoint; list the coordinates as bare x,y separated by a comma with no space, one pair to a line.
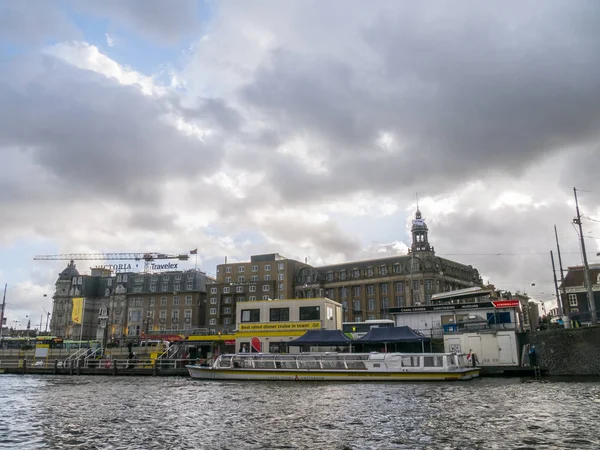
127,267
279,326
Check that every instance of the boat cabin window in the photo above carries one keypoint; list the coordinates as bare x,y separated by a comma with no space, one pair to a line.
335,362
264,362
308,362
225,362
433,361
356,362
410,361
450,360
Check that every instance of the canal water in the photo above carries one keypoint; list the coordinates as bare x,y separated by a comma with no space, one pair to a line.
61,412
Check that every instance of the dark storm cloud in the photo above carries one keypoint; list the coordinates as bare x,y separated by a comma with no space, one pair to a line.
464,91
167,21
98,136
32,21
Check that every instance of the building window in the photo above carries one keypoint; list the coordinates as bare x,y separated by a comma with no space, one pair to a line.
177,277
177,287
119,277
254,268
213,300
400,287
371,289
227,300
267,277
254,278
226,290
228,270
266,287
175,314
151,301
329,276
572,299
190,286
357,291
252,298
267,267
266,297
344,293
342,275
345,305
385,303
415,285
383,288
281,287
212,322
163,314
356,273
109,282
137,289
252,288
250,315
213,311
383,270
371,317
241,279
227,310
241,269
188,300
399,300
237,299
280,277
369,271
176,301
227,279
357,318
213,290
371,304
428,285
153,287
310,313
428,299
281,266
356,305
163,301
279,314
187,314
239,289
227,321
165,286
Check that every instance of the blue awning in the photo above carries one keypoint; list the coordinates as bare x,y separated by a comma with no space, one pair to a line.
391,335
322,337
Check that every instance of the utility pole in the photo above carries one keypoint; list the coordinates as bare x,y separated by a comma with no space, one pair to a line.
2,314
561,309
586,268
556,284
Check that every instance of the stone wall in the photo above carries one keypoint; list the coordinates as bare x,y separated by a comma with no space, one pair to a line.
573,351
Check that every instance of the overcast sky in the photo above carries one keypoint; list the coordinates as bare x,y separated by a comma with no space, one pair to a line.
299,127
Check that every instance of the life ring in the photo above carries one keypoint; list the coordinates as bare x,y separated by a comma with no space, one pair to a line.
108,364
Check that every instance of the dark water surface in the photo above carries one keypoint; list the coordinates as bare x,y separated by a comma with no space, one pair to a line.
172,413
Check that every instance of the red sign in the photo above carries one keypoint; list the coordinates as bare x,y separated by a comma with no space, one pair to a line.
232,342
256,344
506,304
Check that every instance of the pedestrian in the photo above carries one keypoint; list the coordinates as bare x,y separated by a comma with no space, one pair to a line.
532,356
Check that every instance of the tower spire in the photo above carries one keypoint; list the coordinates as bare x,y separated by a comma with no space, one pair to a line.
419,232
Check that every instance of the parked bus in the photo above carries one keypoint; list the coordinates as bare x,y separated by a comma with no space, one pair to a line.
356,330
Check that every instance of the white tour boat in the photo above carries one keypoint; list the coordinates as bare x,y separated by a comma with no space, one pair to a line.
337,367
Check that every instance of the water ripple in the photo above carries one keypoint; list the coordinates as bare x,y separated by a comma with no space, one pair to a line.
146,413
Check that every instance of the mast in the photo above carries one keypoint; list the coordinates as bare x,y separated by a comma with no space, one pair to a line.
586,267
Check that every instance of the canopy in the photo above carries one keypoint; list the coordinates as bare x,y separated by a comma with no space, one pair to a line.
322,337
390,335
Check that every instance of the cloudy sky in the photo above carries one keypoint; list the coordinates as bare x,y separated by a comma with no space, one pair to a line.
299,127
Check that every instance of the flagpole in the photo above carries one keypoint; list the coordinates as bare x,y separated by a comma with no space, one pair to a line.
196,263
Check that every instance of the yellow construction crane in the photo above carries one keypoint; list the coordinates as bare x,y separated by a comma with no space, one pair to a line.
148,258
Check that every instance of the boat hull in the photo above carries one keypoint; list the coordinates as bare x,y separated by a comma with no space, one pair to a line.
209,373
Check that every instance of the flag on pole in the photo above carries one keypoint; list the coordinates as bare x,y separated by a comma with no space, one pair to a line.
77,311
194,252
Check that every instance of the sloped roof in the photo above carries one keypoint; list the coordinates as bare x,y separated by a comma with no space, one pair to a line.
322,337
381,335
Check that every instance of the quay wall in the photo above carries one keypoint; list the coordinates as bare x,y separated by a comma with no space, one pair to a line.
574,351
